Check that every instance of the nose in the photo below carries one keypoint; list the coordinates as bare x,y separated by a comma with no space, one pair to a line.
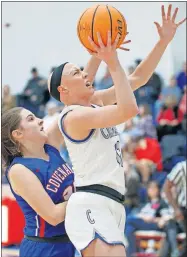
40,122
84,75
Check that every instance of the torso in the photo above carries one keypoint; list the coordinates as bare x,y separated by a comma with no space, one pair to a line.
57,179
96,159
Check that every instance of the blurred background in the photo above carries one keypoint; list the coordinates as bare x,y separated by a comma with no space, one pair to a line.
36,37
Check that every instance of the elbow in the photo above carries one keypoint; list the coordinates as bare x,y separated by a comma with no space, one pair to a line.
139,79
54,218
144,81
129,112
133,111
54,221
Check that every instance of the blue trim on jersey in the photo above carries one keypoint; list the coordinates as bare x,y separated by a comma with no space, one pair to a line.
96,235
70,138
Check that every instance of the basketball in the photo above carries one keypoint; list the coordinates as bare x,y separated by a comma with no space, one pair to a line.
101,18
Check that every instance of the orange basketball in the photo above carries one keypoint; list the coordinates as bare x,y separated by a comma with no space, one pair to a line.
101,18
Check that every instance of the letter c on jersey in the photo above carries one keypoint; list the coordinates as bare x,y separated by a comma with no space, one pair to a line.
92,221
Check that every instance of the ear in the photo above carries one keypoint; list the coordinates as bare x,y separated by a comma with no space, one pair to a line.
17,134
62,89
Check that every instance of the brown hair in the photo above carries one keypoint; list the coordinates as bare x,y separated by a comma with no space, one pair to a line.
10,121
155,183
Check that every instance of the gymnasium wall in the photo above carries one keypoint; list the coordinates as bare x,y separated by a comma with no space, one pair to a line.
43,34
178,46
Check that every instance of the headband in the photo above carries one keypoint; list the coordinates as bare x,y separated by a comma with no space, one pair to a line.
56,80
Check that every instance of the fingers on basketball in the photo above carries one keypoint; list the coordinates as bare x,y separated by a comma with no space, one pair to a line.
102,18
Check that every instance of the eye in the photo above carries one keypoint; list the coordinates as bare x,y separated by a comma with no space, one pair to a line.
31,118
76,72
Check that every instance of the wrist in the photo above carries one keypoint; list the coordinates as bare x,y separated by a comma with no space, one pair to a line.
95,59
163,42
113,64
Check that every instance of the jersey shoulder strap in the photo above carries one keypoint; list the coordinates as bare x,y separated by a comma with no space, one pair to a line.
63,114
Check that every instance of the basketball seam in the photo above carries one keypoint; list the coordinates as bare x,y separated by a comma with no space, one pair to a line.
93,22
121,17
79,25
125,24
110,19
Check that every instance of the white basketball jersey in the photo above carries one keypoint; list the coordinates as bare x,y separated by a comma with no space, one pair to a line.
97,159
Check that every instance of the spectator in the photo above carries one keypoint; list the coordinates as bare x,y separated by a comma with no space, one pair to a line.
155,215
149,149
8,100
169,118
140,93
154,88
149,93
145,122
105,82
146,168
52,114
177,179
132,180
182,77
36,93
171,90
184,125
130,131
182,104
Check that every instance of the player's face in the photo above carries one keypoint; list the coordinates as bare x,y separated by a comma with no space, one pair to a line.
31,128
76,81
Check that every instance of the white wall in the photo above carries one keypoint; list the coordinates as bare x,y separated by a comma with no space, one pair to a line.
178,45
43,34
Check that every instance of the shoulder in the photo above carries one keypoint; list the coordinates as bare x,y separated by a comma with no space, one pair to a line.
20,175
17,178
178,166
175,171
70,113
17,169
73,123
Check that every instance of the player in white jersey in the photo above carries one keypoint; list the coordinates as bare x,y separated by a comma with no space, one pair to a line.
95,212
95,216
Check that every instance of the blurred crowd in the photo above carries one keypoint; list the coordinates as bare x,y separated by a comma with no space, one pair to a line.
153,144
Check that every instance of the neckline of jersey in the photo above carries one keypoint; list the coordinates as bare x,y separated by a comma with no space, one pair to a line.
40,159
